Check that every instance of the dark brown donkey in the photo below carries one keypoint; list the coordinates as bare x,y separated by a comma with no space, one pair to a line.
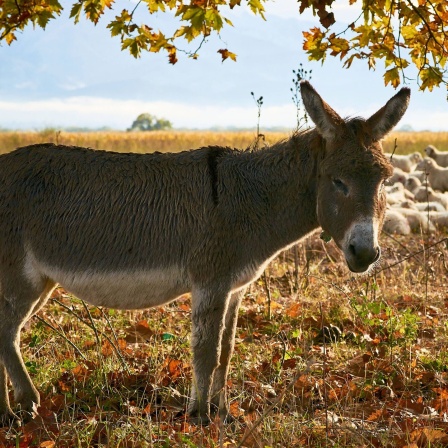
132,231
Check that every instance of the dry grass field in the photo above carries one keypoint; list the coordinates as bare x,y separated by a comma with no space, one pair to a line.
322,359
182,140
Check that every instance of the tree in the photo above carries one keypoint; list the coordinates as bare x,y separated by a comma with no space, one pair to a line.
147,122
398,32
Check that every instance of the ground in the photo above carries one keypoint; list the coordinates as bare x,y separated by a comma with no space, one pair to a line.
331,360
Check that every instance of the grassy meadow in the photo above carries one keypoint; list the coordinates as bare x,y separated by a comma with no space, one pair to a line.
323,358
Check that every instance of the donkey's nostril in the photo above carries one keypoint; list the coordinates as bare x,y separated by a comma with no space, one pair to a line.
352,249
363,255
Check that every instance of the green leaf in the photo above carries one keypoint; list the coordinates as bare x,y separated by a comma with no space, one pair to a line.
120,26
213,19
168,337
43,18
76,12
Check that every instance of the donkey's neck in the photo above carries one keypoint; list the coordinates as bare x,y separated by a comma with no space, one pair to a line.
278,206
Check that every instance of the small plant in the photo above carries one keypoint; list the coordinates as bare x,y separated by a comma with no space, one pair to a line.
388,326
259,103
299,75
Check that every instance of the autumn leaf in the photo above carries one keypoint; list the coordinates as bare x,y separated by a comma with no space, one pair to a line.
47,444
119,26
429,437
80,372
173,366
227,54
313,44
327,19
256,7
385,31
392,77
140,332
106,349
294,310
430,77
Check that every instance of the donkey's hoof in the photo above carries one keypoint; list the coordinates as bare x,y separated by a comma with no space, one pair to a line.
25,416
200,420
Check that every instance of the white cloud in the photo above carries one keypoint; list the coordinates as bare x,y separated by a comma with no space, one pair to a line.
72,84
95,112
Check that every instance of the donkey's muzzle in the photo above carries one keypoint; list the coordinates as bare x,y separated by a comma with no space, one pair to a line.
360,257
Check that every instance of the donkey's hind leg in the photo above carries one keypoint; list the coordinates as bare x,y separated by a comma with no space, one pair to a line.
17,304
209,306
228,341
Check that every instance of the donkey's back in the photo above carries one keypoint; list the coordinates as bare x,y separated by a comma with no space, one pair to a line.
107,226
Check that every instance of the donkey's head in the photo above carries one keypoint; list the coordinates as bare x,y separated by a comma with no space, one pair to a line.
351,200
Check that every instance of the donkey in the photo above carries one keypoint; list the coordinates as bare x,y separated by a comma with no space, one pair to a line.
133,231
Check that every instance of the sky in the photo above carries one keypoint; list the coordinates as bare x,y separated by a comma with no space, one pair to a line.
77,76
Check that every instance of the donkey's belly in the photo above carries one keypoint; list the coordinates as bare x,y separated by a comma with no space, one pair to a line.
121,289
126,290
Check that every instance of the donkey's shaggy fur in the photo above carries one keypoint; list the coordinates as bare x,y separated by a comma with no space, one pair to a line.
134,231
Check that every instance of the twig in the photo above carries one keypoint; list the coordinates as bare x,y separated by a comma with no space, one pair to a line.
97,337
393,150
324,368
413,255
426,241
334,285
117,351
296,267
268,293
67,308
93,326
270,408
62,335
397,242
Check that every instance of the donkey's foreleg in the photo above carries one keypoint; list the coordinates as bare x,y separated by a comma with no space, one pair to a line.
209,305
227,344
17,304
25,393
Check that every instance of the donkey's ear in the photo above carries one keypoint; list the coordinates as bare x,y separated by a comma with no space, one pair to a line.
383,121
324,117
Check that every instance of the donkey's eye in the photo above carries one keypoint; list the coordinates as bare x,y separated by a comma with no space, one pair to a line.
340,186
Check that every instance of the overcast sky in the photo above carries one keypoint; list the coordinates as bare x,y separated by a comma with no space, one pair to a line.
73,75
